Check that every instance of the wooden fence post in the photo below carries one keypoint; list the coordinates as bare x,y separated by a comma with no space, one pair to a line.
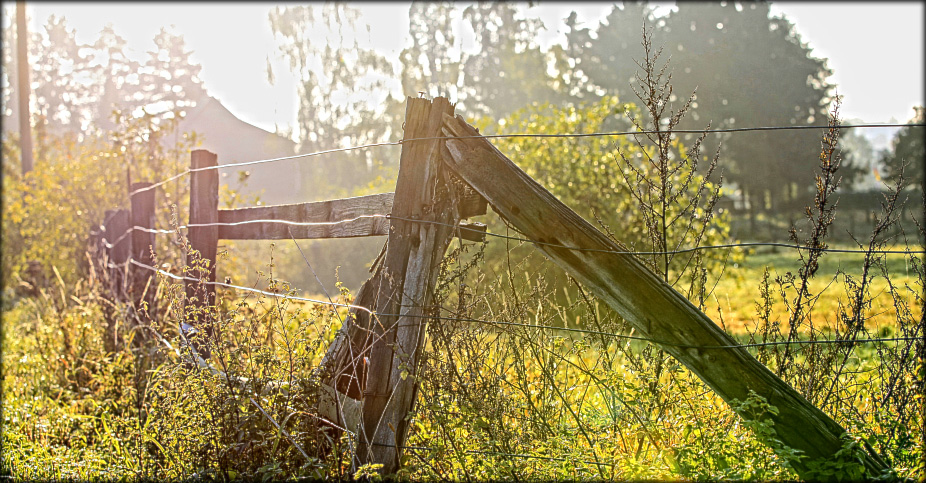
204,241
142,246
116,248
643,299
411,265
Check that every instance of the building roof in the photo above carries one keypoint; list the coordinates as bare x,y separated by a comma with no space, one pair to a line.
234,141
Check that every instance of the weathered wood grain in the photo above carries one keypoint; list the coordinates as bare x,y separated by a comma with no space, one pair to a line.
339,408
203,236
117,247
649,304
424,191
142,288
342,218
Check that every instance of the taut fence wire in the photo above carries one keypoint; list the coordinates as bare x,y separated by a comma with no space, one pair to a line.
508,323
514,135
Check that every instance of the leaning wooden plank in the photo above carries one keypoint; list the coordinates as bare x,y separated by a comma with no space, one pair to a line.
652,306
343,218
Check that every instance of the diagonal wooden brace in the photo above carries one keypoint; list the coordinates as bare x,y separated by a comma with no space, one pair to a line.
647,302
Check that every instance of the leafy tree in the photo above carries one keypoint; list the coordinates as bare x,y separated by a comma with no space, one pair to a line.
79,87
747,69
858,157
62,92
433,62
603,58
170,80
509,71
908,152
339,80
115,78
10,72
504,71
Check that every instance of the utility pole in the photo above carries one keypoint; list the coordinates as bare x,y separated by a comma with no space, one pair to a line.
25,89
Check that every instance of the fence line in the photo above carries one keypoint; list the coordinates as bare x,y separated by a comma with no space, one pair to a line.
674,131
386,355
667,252
352,434
521,239
200,362
517,135
517,324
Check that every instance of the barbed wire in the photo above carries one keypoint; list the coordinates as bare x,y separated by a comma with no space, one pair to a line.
159,183
674,131
513,135
331,303
262,161
488,322
110,245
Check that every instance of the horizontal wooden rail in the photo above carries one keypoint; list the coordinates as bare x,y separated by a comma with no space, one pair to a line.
330,215
342,218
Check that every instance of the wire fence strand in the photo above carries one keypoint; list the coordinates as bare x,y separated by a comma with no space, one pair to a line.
126,233
519,324
516,135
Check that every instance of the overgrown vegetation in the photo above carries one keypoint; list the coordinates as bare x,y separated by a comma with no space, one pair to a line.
526,375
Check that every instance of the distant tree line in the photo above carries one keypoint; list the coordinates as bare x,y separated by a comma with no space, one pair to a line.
747,68
80,88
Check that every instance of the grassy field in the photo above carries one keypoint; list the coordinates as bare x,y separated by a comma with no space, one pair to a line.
494,403
737,292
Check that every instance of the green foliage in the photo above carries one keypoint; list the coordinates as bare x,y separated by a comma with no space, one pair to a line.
613,179
38,225
66,403
73,410
908,153
510,400
505,70
719,454
749,69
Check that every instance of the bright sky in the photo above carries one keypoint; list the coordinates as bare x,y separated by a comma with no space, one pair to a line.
875,49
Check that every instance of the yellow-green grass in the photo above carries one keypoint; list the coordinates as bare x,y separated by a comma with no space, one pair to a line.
734,300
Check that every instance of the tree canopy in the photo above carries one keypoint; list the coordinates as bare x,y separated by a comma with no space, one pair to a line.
909,153
747,69
78,87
